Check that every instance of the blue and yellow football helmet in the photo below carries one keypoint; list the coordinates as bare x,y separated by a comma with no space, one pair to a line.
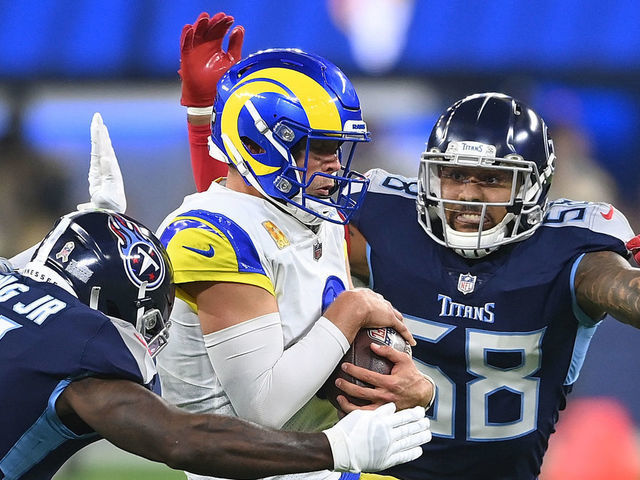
280,99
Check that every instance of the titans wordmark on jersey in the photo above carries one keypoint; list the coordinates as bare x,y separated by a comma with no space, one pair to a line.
502,337
48,339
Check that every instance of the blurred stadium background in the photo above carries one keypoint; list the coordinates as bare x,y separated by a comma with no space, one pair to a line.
576,61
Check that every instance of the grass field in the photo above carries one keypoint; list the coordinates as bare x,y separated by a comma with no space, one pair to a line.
102,461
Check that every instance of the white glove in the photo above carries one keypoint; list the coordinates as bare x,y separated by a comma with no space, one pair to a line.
5,266
105,180
373,440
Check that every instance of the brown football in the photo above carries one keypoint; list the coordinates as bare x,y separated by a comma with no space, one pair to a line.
360,354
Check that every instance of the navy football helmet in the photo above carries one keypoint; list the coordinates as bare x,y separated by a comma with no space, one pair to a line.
280,100
113,264
507,142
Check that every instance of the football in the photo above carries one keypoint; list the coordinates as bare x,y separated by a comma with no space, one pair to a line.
361,355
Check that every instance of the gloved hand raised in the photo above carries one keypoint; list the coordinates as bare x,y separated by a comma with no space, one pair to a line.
106,186
202,60
374,440
633,246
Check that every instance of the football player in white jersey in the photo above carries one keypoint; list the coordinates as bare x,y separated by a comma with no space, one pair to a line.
482,195
88,375
266,309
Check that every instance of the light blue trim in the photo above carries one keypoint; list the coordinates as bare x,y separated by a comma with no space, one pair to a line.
369,266
582,317
580,347
44,436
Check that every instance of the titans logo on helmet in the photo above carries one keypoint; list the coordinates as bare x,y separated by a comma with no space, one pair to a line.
141,259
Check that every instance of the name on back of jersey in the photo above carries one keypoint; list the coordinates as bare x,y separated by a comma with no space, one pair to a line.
36,310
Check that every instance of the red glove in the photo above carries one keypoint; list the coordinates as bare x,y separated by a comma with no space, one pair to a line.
633,246
202,60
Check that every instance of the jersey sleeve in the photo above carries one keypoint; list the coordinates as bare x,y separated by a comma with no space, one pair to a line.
116,350
206,246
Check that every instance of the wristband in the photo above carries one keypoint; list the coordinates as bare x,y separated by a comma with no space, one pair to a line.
200,110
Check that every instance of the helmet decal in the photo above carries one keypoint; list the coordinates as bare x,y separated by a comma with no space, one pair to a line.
141,259
321,112
271,110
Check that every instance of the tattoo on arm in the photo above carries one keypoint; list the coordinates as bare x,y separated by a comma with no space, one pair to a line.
606,283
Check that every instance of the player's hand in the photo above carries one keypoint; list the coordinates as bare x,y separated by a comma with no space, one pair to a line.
106,186
369,441
405,386
633,246
202,60
5,265
363,308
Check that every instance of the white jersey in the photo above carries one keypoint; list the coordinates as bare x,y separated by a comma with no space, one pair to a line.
223,235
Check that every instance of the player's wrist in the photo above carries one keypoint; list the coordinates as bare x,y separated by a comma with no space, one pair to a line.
432,396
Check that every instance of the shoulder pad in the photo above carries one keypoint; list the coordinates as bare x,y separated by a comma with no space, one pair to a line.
381,181
598,217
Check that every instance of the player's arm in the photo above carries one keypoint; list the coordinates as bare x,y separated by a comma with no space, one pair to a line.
136,420
605,282
106,187
243,336
202,64
358,254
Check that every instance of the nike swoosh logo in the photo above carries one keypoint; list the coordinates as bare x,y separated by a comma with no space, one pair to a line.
609,214
206,253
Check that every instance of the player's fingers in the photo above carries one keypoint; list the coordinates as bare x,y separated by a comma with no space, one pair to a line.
201,26
396,356
404,455
363,374
413,427
418,436
96,121
348,407
186,42
218,30
183,37
235,43
407,416
402,329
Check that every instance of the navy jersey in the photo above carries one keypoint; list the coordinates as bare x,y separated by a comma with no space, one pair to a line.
47,340
502,336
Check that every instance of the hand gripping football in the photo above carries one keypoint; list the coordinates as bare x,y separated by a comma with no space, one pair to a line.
361,355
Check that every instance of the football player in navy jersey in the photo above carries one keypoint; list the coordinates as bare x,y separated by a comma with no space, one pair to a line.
501,288
80,326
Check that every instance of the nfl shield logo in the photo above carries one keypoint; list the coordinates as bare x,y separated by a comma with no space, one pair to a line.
466,283
317,251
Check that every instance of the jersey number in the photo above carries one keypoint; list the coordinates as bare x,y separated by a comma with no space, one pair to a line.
489,380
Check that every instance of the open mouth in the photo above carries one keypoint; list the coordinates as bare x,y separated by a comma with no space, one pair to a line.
469,219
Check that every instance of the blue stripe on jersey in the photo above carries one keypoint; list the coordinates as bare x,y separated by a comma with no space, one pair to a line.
246,253
582,317
369,264
585,331
580,347
349,476
44,436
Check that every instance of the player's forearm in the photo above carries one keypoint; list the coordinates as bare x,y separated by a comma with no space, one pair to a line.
606,283
205,168
257,372
230,448
138,421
